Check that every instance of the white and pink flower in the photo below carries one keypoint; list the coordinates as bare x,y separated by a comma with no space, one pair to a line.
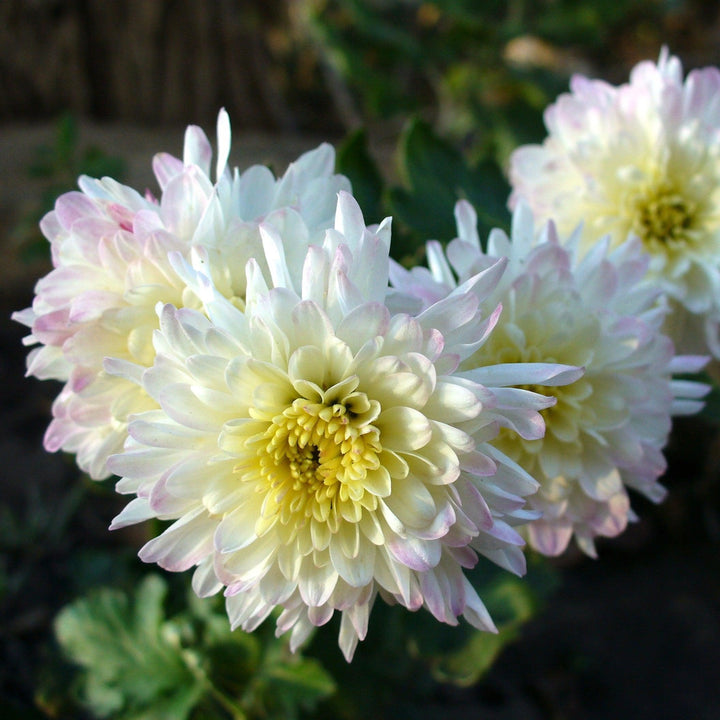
642,158
608,428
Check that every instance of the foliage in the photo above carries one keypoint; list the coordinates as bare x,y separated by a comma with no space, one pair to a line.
27,538
131,659
408,658
354,161
136,663
512,602
455,59
435,175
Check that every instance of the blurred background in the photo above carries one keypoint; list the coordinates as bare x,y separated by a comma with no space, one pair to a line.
323,65
98,86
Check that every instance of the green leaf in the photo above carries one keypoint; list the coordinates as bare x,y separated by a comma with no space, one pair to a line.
355,162
284,683
303,683
130,659
511,602
466,666
97,163
433,173
436,176
136,664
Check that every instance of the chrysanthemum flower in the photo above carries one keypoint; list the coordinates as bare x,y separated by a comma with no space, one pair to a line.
110,250
607,431
317,448
641,158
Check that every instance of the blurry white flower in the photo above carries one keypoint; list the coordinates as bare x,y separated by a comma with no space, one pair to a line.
641,158
110,250
607,431
317,449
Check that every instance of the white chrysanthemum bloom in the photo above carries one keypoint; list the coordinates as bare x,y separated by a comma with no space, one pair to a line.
110,250
607,431
317,449
641,158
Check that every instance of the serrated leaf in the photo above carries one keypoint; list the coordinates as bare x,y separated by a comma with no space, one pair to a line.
148,610
130,663
433,175
488,190
511,604
178,704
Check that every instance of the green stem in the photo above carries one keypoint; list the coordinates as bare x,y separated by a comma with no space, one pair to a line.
220,697
228,703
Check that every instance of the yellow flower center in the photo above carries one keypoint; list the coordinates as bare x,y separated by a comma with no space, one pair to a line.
538,339
663,218
315,458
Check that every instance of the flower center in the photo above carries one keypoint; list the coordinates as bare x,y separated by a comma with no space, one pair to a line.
536,338
663,217
564,423
315,458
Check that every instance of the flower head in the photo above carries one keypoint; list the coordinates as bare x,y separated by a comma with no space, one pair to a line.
317,449
607,430
110,250
641,158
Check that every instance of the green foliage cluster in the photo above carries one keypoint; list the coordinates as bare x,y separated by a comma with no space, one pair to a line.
450,58
434,176
408,657
134,660
136,663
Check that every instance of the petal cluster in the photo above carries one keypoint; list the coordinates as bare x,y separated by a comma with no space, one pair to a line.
110,251
640,158
315,449
606,432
